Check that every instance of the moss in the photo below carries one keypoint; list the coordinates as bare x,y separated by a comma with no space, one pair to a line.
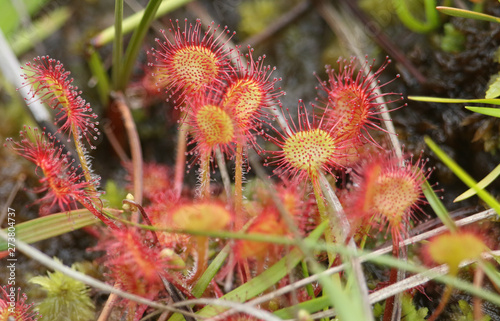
67,298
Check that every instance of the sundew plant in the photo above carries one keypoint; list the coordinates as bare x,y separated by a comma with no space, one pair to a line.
268,211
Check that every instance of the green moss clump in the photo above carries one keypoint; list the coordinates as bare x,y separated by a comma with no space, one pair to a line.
67,298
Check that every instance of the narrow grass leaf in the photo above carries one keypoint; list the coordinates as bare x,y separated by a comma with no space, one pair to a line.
202,284
135,43
438,206
347,302
117,42
311,306
10,19
462,13
466,178
454,100
206,278
491,272
131,22
52,225
99,72
495,112
481,184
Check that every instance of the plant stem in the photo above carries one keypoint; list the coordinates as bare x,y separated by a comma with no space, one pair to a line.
476,302
110,303
305,273
340,225
270,276
115,144
442,303
238,185
135,147
201,247
319,199
393,278
97,213
330,239
336,20
180,159
80,150
226,181
205,175
50,263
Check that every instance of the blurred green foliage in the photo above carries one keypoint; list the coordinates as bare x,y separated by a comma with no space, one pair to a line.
12,10
453,40
21,31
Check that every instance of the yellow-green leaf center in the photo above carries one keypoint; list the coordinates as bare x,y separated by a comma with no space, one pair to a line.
309,150
215,125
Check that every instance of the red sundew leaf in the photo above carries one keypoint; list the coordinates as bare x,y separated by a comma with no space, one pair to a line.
307,149
136,264
51,83
190,62
352,102
250,90
388,192
63,183
21,311
212,125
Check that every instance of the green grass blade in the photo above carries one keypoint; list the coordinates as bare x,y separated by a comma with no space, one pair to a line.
438,206
311,306
52,225
491,272
117,43
467,14
495,112
131,22
347,301
99,72
305,273
466,178
454,100
136,43
481,184
41,29
206,278
210,272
